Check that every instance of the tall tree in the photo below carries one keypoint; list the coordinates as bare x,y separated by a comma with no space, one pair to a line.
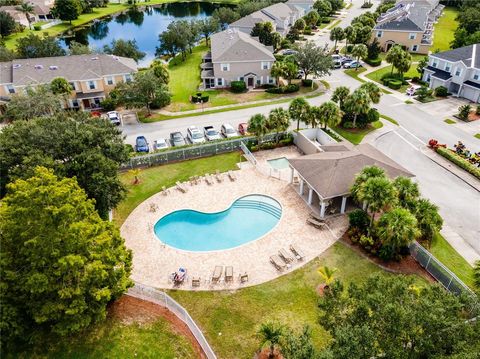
225,16
124,48
358,103
258,125
429,221
359,51
408,191
60,86
278,120
7,24
340,94
207,27
365,174
337,34
67,10
476,275
33,46
312,18
160,71
61,263
299,24
330,114
314,116
271,335
27,9
278,70
399,59
91,149
313,59
373,91
6,54
299,109
323,7
76,48
350,36
299,346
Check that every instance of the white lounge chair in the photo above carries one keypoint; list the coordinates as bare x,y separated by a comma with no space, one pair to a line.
228,274
277,262
217,273
315,223
287,258
297,252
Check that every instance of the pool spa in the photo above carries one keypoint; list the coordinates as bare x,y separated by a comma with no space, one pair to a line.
247,219
278,163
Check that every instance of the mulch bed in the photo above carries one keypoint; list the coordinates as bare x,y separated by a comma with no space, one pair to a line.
133,310
407,265
472,116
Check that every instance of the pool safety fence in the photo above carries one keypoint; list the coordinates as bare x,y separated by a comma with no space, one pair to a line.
159,297
195,151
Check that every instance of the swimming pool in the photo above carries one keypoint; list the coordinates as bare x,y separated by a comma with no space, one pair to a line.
278,163
247,219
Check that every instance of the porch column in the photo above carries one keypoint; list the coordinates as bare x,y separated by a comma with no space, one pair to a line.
364,206
322,209
292,174
344,204
310,195
301,186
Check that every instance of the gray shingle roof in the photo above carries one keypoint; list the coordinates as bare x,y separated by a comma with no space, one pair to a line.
73,68
469,55
252,19
331,174
412,16
439,74
233,45
281,10
472,84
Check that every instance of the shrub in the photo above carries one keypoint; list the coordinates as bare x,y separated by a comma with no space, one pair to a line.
279,57
37,27
395,84
285,44
374,62
307,32
359,219
205,98
347,125
423,92
367,242
307,82
366,5
108,104
459,161
292,88
464,111
441,91
238,86
477,111
276,90
354,234
283,89
415,79
349,48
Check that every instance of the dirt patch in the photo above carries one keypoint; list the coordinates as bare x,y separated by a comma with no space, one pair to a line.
265,354
408,265
131,310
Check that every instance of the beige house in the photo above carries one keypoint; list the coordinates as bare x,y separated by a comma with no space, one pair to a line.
91,77
236,56
409,24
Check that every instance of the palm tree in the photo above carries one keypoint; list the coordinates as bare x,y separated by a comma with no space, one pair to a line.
340,94
327,274
314,116
429,220
337,34
271,335
278,119
476,274
135,172
359,51
298,109
366,173
396,229
278,70
27,9
350,35
378,193
373,91
357,103
330,114
258,125
408,191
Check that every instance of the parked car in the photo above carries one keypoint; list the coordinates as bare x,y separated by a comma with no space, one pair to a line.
337,64
346,59
114,118
228,131
194,135
141,144
160,144
352,65
243,129
211,134
300,74
289,52
176,139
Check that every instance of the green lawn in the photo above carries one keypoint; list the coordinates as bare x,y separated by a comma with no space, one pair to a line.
113,339
377,75
477,135
415,57
353,73
230,319
444,29
385,117
356,136
446,254
449,121
154,178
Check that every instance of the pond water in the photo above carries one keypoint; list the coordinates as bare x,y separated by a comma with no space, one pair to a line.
142,24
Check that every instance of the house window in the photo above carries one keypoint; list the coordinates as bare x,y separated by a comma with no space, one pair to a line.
434,63
225,67
92,85
219,82
412,36
270,80
265,65
415,48
97,101
458,71
447,67
428,78
379,33
128,78
75,103
110,81
259,82
476,76
10,89
241,79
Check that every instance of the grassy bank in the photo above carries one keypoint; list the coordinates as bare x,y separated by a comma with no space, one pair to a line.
153,179
230,320
377,75
356,135
444,29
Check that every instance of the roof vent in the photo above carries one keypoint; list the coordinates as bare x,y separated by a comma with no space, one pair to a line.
38,67
53,67
16,66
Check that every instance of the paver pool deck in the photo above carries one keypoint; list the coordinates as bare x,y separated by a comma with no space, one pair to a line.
153,261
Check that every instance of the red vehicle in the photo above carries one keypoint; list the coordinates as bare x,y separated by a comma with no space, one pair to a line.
243,129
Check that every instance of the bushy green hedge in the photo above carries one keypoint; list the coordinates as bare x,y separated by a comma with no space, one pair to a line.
284,89
307,82
394,84
441,91
238,86
374,62
459,161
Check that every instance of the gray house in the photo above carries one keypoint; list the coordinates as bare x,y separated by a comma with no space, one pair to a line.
281,15
458,70
236,56
307,5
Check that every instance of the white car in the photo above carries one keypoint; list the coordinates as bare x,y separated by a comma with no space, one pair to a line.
194,135
228,130
114,118
160,144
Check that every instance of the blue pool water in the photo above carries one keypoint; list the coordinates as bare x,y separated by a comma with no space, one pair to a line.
247,219
279,163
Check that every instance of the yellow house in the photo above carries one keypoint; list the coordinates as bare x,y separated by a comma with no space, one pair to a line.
410,24
91,77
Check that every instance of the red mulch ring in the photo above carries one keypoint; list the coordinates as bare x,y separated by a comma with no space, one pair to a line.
472,116
265,352
407,265
133,310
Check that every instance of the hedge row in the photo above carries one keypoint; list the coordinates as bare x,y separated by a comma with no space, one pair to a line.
284,89
459,161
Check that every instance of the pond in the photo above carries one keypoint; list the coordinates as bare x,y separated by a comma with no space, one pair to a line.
142,24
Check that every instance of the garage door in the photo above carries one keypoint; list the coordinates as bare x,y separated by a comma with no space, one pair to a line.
470,93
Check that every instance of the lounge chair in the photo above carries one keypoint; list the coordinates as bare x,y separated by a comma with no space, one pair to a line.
181,187
277,262
218,176
317,217
217,273
196,282
228,274
179,276
315,223
297,252
287,258
232,176
243,277
208,179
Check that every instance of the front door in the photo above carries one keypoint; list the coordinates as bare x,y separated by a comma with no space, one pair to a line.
86,103
250,81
